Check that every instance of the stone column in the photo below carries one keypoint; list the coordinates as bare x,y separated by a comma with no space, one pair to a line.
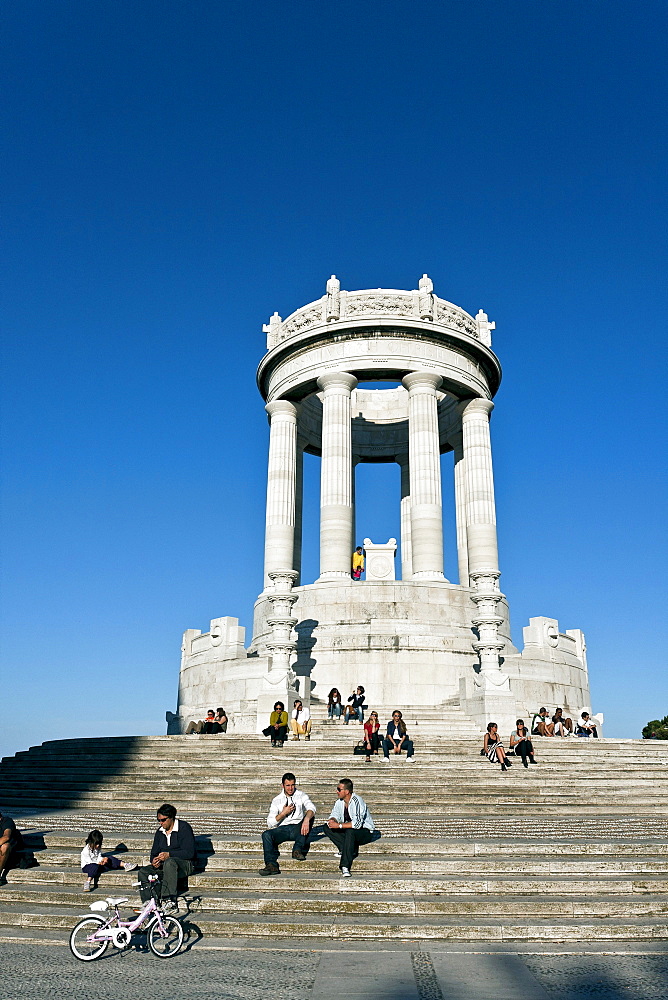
460,509
406,552
336,488
279,536
299,504
425,476
483,560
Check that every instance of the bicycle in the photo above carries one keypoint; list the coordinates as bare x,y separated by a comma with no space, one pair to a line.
92,935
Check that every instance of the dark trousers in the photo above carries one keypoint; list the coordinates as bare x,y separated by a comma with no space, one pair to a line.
348,841
388,745
524,749
278,735
169,874
94,871
278,835
374,740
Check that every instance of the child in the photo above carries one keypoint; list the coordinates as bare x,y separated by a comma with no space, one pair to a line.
94,862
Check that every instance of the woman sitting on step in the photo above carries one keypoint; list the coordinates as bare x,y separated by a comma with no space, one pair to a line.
521,744
372,735
492,747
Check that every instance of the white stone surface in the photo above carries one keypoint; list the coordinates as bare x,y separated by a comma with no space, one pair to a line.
281,487
420,640
380,558
336,490
426,505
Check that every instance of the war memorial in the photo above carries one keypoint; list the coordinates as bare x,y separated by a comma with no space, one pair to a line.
570,853
411,637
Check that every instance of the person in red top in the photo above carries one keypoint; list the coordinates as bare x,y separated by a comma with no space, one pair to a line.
371,737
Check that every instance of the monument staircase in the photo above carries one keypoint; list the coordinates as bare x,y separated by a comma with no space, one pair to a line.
574,849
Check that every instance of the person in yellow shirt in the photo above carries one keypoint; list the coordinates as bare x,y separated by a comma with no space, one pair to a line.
278,725
358,563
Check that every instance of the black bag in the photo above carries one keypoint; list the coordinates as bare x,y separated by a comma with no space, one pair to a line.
360,748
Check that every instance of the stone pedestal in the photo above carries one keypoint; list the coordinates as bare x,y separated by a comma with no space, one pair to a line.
380,559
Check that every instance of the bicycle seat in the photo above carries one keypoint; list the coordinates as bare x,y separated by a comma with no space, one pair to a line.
116,900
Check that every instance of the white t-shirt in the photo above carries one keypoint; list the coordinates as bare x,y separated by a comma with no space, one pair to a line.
301,717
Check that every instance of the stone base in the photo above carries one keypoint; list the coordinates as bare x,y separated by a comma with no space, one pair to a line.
407,642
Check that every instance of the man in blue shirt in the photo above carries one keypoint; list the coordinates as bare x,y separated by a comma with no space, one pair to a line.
349,825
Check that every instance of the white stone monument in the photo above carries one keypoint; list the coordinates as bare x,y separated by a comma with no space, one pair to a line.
420,640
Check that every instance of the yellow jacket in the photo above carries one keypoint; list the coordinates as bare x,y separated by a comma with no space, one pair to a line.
278,719
358,560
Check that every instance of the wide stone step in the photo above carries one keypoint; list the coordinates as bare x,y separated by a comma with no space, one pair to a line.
346,928
70,844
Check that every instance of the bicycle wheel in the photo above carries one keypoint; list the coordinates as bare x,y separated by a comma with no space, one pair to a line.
80,946
168,946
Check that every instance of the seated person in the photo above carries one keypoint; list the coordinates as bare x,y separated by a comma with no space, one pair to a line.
300,723
372,735
586,726
11,842
199,727
521,744
492,747
355,707
172,857
219,724
397,739
334,706
278,725
541,725
562,727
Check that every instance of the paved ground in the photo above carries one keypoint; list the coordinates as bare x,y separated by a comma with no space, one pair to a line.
40,972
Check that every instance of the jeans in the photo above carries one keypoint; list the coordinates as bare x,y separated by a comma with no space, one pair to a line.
354,713
388,745
278,835
169,874
334,711
348,842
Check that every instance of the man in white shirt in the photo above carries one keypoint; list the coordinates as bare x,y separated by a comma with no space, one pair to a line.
290,818
349,824
300,723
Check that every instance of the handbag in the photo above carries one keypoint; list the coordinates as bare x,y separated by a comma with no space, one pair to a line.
360,748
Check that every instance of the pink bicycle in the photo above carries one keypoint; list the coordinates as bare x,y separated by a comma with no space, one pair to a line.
91,937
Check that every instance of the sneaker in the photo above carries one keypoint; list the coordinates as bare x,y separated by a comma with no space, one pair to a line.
130,867
298,855
410,760
386,760
307,737
337,854
89,885
345,873
270,869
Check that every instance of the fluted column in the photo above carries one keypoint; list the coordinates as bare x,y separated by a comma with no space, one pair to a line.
281,481
336,488
406,551
481,531
460,510
299,505
425,476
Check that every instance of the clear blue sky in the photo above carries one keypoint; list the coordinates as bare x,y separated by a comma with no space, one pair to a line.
175,171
